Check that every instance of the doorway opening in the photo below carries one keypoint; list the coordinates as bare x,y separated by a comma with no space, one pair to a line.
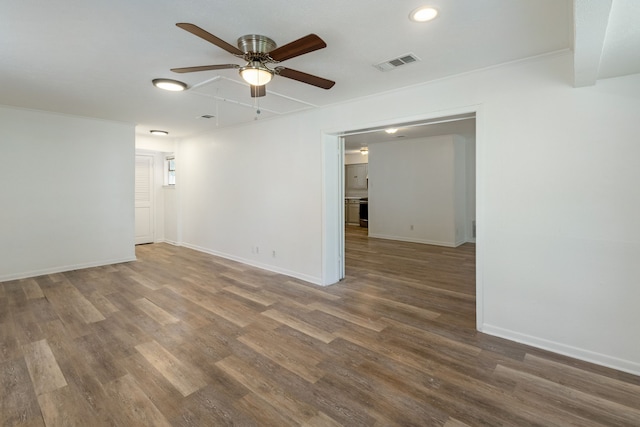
402,197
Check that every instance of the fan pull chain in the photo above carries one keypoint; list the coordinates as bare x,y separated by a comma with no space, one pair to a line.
217,108
256,104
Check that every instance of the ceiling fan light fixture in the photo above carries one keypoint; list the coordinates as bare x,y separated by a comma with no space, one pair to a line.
169,84
256,74
423,14
158,132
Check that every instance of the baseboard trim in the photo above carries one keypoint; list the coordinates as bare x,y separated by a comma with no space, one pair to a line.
170,242
410,240
62,269
267,267
566,350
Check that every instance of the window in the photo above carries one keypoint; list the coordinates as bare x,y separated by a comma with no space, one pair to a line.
170,170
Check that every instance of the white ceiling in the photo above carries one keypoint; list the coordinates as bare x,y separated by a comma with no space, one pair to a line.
97,59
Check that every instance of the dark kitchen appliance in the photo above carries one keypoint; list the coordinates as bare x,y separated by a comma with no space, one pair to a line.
364,212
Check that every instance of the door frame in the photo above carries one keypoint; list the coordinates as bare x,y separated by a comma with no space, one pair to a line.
152,201
333,256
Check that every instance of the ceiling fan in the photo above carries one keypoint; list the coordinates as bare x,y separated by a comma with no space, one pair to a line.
259,51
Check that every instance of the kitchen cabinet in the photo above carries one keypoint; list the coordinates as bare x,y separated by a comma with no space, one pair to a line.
352,215
356,176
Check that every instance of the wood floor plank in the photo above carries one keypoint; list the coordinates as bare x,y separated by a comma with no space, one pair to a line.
452,422
186,379
66,295
66,407
102,303
321,420
282,401
43,367
214,405
282,356
607,388
233,312
155,312
18,402
93,353
261,410
135,406
373,324
300,325
156,387
183,338
432,338
586,404
32,289
9,345
262,299
146,282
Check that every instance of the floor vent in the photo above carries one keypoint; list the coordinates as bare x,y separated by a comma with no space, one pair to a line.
392,64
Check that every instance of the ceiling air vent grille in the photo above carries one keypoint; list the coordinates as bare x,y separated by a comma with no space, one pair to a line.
392,64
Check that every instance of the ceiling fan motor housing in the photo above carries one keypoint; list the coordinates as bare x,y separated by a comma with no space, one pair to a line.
254,43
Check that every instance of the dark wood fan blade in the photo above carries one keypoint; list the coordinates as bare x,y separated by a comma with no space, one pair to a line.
296,48
204,68
257,91
197,31
305,78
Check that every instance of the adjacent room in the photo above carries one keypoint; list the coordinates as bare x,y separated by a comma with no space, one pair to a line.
320,213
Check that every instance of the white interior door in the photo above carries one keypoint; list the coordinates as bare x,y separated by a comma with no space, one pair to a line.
144,200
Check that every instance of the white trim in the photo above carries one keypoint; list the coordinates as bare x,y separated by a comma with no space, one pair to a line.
479,217
267,267
476,109
410,240
567,350
62,269
152,194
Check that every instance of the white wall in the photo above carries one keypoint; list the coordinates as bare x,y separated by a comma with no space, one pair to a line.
67,193
470,169
417,190
247,192
170,232
157,143
558,203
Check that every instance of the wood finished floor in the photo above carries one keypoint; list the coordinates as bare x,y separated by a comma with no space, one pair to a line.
181,338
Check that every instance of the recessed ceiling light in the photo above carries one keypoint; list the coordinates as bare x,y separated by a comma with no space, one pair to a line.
169,84
391,130
423,14
158,132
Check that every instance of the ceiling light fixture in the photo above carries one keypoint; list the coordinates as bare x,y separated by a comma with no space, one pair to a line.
158,132
256,74
364,151
169,84
391,130
423,14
